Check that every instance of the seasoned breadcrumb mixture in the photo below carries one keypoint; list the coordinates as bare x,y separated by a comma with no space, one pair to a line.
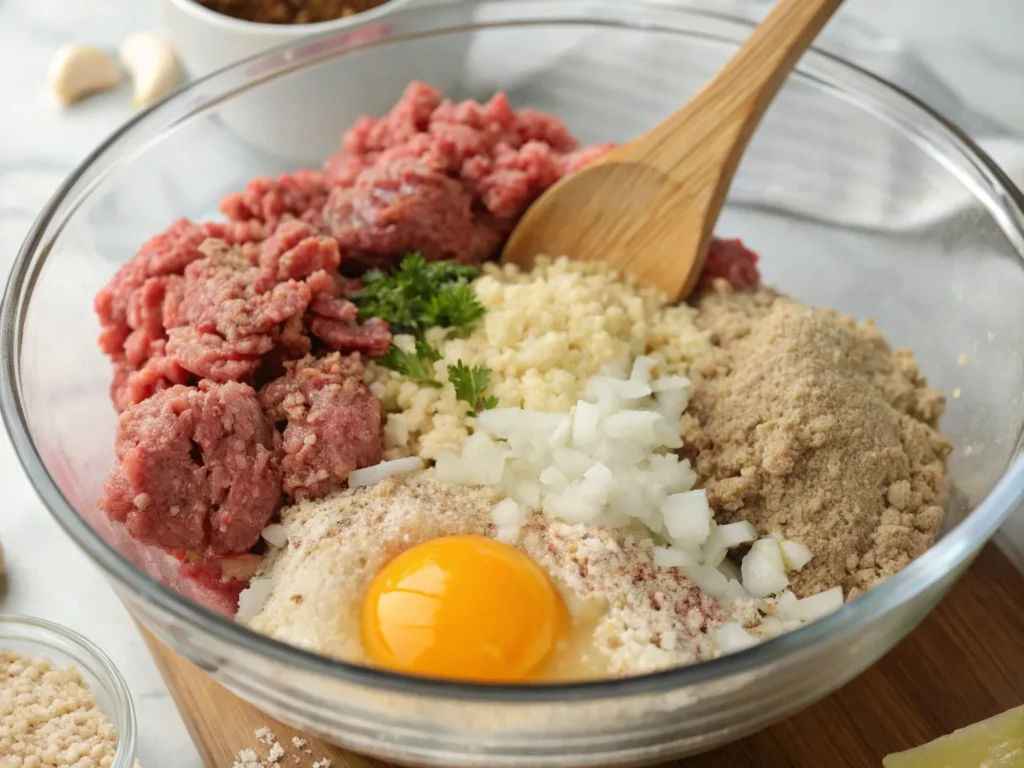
49,717
645,618
806,424
543,335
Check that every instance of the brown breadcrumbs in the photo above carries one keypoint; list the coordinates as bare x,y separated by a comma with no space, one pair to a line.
806,424
290,11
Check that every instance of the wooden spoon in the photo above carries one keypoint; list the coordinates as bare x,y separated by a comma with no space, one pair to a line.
650,206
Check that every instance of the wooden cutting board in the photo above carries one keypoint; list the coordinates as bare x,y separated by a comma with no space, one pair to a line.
963,664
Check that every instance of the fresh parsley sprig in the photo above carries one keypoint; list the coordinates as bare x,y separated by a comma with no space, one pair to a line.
420,295
417,365
470,384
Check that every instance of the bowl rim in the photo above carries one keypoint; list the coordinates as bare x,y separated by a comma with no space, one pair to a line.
950,554
126,725
213,18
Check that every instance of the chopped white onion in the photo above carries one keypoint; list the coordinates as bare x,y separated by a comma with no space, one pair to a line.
553,478
378,472
762,574
769,548
275,535
688,517
731,637
571,463
785,598
794,554
500,422
585,423
673,557
642,368
813,607
735,534
671,383
709,580
253,598
636,426
508,513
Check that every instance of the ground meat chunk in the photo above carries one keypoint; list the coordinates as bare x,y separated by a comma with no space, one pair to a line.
268,200
409,205
333,423
372,337
197,469
133,384
731,260
134,298
447,179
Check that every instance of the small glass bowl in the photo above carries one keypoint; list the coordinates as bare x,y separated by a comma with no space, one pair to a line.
39,639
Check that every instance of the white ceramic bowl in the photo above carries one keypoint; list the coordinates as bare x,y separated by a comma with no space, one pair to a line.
207,41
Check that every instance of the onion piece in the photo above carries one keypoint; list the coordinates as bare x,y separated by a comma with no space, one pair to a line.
642,367
673,557
635,426
508,513
794,554
378,472
735,534
731,637
813,607
671,383
762,574
253,598
688,517
275,535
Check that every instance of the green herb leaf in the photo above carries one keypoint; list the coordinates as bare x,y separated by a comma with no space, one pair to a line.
470,384
455,306
417,365
420,295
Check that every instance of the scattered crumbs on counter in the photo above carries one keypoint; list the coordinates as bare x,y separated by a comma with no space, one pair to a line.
962,360
276,754
991,336
956,393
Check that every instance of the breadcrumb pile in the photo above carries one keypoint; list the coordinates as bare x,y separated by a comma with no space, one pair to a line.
543,335
49,717
644,618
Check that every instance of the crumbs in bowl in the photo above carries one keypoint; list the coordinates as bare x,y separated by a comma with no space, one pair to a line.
49,717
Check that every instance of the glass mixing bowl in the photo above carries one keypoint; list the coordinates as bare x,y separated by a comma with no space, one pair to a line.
856,196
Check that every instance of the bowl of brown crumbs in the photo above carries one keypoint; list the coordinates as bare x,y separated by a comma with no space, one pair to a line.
211,34
62,700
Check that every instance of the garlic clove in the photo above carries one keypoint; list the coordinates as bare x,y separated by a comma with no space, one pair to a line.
152,65
76,71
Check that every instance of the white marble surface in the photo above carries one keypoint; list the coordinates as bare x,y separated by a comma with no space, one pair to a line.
974,46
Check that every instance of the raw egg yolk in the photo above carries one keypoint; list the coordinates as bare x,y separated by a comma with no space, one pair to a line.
462,607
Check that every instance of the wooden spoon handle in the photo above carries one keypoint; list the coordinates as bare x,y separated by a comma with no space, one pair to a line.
719,121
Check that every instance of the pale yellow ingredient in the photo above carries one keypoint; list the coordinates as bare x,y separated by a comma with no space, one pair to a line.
994,743
544,333
49,717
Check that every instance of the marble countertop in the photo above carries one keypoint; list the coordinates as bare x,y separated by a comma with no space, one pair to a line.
974,47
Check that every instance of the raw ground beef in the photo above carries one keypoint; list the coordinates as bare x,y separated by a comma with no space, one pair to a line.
198,469
206,313
332,423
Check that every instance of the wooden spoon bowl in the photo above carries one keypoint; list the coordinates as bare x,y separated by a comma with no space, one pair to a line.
649,207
